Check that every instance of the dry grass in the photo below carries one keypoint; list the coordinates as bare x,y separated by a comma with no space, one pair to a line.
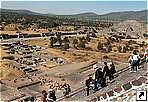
38,42
73,55
7,72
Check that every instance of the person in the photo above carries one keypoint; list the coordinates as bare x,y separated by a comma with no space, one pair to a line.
87,83
95,67
51,96
43,96
106,72
130,60
112,70
135,61
99,78
96,81
146,55
67,89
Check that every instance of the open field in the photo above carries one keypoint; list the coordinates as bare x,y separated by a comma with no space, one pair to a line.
72,55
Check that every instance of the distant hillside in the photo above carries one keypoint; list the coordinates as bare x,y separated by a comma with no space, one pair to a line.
87,14
127,15
27,18
116,16
20,11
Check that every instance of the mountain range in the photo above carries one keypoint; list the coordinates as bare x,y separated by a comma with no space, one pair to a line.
125,15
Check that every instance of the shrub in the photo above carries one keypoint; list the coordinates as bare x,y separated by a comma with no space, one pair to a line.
119,49
124,49
93,35
66,40
66,46
99,46
105,57
88,38
109,48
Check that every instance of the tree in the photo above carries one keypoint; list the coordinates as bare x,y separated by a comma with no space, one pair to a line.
66,40
52,41
109,48
82,43
99,46
59,40
88,38
108,42
84,40
131,48
66,46
75,41
142,44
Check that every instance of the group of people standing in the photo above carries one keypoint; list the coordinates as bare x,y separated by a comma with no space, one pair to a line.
50,95
100,76
99,80
134,61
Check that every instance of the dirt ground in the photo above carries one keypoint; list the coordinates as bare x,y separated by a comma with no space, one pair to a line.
7,72
72,55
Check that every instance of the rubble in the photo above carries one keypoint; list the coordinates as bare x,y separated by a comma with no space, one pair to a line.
58,60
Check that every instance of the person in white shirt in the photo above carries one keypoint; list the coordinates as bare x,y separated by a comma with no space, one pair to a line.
135,61
130,63
95,67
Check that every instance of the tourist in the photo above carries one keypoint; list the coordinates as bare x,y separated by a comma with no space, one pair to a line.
130,60
106,71
43,96
98,78
146,55
51,96
112,70
67,89
102,80
135,61
95,67
96,81
87,83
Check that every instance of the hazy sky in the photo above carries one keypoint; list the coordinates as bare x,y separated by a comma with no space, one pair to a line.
74,7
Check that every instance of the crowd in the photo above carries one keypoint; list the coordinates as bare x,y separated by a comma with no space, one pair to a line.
100,75
99,80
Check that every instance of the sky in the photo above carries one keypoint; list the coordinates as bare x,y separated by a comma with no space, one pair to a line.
75,7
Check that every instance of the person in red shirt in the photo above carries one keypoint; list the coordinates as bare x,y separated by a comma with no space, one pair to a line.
43,96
